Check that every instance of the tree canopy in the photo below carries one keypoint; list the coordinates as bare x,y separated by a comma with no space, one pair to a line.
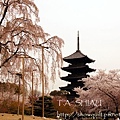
21,34
104,87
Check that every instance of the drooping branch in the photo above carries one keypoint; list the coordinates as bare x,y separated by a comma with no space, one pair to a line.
112,97
5,12
6,60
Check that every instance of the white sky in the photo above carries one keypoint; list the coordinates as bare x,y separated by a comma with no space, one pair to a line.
98,22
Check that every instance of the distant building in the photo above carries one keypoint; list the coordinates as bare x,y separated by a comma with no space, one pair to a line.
77,70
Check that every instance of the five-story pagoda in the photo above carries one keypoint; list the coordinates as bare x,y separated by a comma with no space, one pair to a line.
77,70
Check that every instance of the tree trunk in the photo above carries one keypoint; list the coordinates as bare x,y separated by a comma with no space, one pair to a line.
116,109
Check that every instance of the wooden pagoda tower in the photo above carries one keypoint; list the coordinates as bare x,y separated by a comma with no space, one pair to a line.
77,69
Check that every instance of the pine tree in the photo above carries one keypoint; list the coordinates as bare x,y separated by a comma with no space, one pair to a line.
49,110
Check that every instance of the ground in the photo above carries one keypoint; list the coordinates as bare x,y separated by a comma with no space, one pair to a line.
4,116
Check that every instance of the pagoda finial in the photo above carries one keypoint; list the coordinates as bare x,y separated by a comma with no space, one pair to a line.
78,41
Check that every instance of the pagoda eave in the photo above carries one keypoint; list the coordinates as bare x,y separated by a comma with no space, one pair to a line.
78,68
70,87
84,59
72,78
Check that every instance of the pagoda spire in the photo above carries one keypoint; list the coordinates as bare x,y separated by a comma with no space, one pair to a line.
78,42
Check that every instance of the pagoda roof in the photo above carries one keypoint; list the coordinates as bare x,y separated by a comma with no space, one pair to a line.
70,87
73,77
71,68
76,56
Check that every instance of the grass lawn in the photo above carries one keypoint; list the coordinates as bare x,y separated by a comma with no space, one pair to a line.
4,116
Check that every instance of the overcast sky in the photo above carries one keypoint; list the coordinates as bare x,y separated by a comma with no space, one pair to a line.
98,22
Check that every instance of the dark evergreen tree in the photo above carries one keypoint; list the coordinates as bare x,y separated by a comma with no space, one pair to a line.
49,110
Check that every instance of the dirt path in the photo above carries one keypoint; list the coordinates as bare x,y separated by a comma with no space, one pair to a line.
4,116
